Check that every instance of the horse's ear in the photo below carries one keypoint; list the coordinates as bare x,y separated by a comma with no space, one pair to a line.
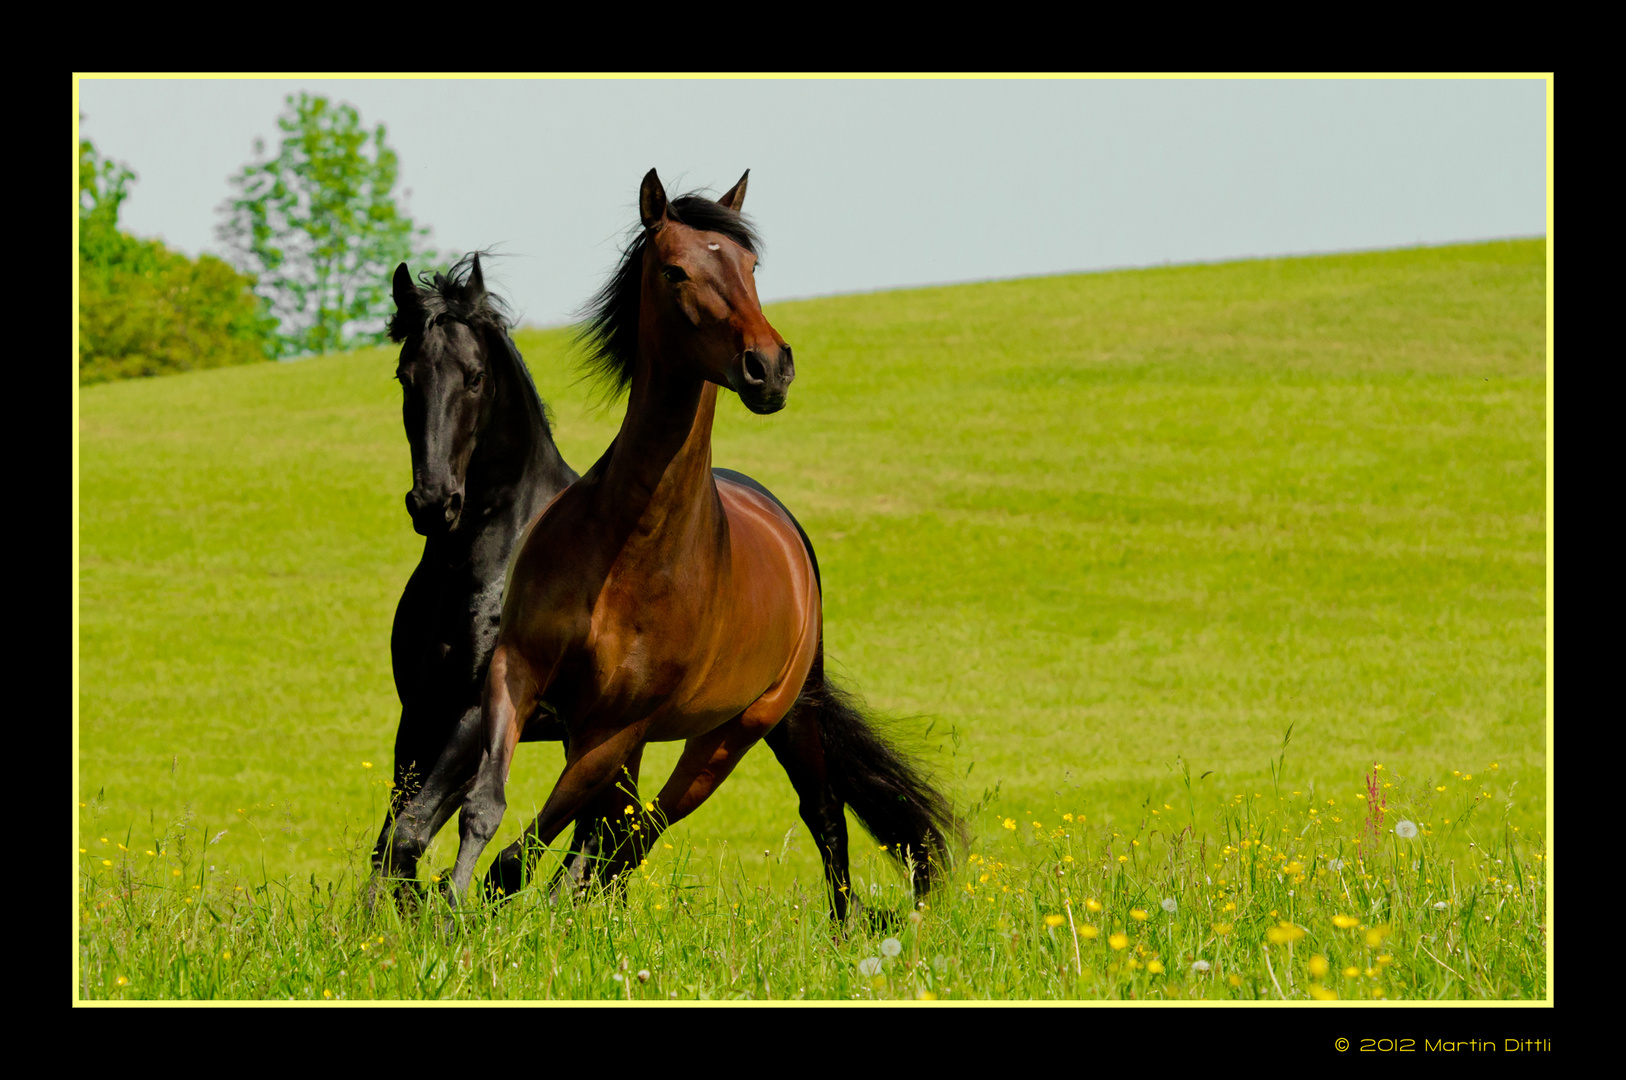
652,201
406,293
477,281
736,194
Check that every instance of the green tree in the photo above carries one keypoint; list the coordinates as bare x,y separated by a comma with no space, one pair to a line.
319,227
145,309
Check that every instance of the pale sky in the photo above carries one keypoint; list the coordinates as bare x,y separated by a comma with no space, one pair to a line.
875,184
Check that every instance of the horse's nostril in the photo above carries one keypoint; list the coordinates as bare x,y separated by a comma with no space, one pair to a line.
414,504
454,506
755,374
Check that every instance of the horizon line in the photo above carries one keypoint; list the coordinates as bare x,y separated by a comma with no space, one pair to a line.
1168,264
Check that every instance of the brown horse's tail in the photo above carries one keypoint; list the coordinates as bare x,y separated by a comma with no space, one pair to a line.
889,791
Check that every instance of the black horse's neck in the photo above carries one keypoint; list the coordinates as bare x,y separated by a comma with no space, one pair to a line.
514,469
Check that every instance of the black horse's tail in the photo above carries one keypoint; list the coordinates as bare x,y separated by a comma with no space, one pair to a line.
888,790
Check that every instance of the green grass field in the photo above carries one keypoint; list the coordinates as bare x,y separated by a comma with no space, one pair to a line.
1087,528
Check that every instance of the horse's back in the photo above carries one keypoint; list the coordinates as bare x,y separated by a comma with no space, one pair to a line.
755,485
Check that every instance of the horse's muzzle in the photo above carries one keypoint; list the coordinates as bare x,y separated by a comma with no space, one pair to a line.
432,515
762,379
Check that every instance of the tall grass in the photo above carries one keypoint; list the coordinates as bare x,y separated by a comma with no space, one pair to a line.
1385,888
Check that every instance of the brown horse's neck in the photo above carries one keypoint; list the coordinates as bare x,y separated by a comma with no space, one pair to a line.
659,470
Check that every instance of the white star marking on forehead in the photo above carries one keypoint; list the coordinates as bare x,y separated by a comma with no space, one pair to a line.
714,247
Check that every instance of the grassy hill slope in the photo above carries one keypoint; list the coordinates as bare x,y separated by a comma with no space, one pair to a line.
1085,524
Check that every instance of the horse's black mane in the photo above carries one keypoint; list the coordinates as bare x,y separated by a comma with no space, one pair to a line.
450,294
609,332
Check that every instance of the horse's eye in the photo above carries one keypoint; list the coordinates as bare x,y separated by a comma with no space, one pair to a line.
674,274
476,379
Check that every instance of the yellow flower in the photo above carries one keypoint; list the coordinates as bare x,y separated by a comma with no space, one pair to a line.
175,873
1351,972
226,955
1010,823
1120,940
107,862
1154,967
1067,817
1385,958
1064,858
1377,991
1321,993
1092,904
327,993
650,806
1375,936
925,995
121,981
1234,980
1138,914
364,765
1344,922
1123,858
1283,933
1054,920
1222,928
1318,965
1088,932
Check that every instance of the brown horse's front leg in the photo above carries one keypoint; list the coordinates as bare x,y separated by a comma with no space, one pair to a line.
590,770
511,692
607,834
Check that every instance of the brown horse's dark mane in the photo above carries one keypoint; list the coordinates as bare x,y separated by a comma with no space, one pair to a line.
609,332
451,294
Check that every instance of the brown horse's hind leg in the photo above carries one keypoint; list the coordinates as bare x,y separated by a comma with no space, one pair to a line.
797,743
705,763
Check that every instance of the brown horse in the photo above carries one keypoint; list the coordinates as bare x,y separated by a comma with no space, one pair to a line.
653,600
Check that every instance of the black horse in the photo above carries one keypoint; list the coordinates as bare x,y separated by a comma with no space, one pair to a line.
483,465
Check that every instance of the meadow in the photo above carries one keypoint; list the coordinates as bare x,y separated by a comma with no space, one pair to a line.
1099,542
